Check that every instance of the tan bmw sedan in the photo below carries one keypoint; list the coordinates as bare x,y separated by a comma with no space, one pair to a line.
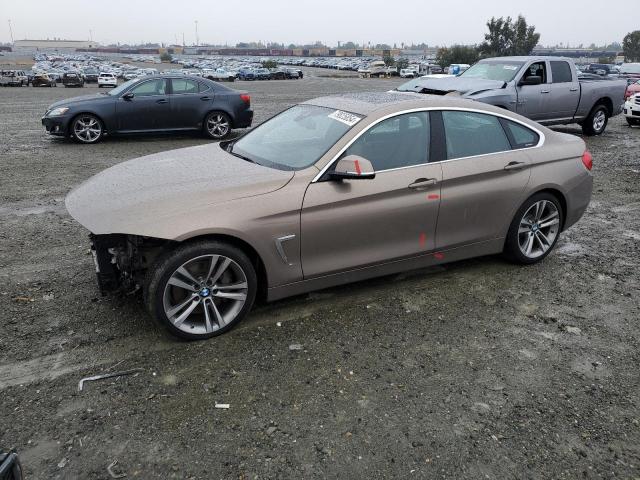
334,190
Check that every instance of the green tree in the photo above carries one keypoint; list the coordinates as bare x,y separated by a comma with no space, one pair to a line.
509,37
402,63
166,57
389,61
349,45
457,54
631,46
269,64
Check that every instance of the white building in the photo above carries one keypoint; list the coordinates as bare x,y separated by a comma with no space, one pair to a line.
53,45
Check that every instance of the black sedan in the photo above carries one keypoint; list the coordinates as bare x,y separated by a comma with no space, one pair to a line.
158,103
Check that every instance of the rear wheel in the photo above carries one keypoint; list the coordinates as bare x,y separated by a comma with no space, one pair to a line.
217,125
201,290
596,122
535,229
87,128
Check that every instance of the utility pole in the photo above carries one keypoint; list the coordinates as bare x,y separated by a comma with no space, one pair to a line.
197,39
10,31
183,39
90,35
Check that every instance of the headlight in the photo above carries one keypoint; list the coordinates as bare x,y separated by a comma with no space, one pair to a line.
58,111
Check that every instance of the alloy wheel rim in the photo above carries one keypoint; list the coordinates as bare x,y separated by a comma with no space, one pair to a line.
87,129
218,125
538,229
599,121
205,294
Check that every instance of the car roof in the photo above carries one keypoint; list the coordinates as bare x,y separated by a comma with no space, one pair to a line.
379,104
368,103
534,58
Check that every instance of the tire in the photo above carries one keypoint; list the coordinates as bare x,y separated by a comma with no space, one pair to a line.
535,229
632,121
217,125
596,122
180,307
86,128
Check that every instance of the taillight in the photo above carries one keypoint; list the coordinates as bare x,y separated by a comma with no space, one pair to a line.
587,160
246,98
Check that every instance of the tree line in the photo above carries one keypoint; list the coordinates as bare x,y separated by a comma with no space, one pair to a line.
508,37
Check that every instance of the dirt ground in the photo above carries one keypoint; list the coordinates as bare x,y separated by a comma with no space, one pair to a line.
478,369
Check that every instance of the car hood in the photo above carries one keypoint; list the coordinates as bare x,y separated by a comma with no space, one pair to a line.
443,86
163,191
82,98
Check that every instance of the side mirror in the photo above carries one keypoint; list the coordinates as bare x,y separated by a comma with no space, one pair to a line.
353,167
128,96
530,81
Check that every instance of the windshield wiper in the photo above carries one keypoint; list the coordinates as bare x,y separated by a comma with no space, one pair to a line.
242,157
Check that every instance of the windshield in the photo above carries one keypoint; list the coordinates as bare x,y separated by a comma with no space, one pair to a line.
630,68
118,90
296,138
501,71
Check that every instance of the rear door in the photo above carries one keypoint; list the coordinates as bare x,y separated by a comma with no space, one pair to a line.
357,223
533,99
484,177
149,109
565,90
189,103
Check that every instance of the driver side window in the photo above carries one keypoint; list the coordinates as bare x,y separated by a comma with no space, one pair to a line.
538,69
156,86
396,142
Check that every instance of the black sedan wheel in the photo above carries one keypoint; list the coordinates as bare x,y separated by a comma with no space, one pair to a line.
87,128
217,125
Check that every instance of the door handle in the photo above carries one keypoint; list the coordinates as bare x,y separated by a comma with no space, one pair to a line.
162,100
545,91
515,165
422,183
575,89
205,98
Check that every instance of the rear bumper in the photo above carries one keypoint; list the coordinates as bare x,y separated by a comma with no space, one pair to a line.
578,199
243,119
56,125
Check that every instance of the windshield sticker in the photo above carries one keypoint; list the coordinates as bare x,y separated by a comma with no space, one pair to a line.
510,67
345,117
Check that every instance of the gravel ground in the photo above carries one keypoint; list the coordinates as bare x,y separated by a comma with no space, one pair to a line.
475,369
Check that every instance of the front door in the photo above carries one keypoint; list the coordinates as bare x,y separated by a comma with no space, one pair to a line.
533,99
483,178
356,223
148,109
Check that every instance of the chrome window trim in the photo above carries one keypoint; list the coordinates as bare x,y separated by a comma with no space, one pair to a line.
541,137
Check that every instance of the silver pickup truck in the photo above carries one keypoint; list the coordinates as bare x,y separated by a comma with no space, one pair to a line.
548,90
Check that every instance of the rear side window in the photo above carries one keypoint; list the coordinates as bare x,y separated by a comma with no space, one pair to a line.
183,85
561,72
469,134
519,135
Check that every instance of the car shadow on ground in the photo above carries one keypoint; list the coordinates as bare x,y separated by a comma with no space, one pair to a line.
296,306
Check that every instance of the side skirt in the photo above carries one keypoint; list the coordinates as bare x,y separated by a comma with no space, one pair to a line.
489,247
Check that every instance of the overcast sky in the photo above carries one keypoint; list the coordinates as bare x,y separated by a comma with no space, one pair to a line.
436,22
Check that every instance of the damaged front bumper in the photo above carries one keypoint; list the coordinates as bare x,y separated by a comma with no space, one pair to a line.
121,260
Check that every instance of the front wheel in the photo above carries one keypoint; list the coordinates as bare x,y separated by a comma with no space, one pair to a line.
535,229
87,129
201,290
596,122
217,125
